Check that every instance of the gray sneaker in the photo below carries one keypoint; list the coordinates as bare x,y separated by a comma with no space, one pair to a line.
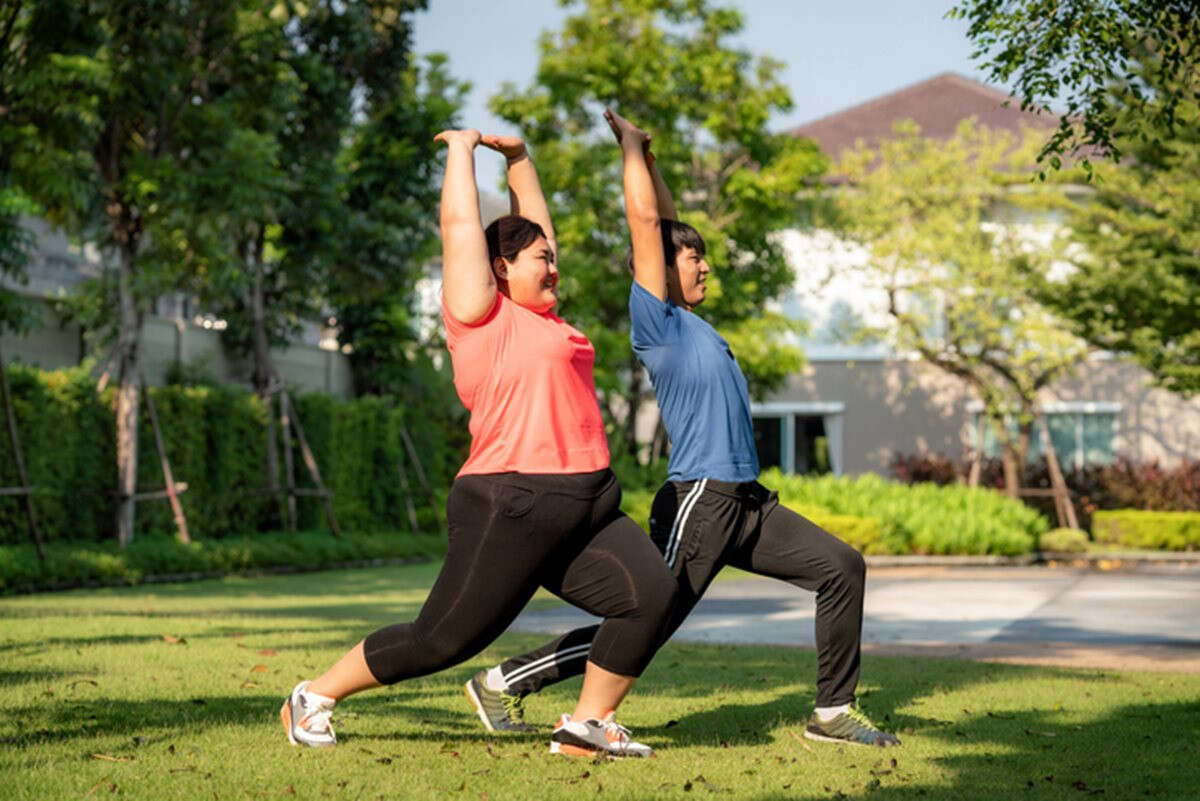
849,727
591,737
499,711
306,717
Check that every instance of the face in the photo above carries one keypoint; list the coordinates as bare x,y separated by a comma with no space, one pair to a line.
686,278
531,279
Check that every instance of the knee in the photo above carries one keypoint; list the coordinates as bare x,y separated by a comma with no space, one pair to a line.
849,567
658,601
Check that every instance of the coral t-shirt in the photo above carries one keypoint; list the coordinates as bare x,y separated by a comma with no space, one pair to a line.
526,379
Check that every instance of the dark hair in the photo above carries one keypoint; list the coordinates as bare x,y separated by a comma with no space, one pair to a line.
676,236
509,235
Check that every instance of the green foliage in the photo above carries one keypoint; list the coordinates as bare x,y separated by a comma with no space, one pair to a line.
1135,287
866,534
921,518
215,439
1069,54
1063,540
941,222
72,564
673,68
1135,528
877,516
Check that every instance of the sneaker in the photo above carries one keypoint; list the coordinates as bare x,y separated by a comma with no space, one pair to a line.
849,727
499,711
306,716
591,737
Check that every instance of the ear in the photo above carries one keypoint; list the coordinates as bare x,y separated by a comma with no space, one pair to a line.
500,268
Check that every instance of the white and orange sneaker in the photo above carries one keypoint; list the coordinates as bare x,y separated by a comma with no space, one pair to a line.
306,717
591,737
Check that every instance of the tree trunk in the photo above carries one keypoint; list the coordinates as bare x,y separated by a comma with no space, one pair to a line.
128,392
634,400
265,381
1009,458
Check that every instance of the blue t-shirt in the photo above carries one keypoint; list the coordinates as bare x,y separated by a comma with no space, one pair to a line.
701,391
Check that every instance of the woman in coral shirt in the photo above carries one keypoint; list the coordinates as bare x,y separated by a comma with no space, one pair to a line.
535,504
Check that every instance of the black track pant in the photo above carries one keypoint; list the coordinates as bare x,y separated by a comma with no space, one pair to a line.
699,527
511,533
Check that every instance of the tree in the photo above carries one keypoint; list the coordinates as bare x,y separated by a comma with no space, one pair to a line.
954,266
131,105
1072,51
1135,287
669,66
339,136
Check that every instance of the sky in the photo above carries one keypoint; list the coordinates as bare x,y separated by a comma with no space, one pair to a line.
838,52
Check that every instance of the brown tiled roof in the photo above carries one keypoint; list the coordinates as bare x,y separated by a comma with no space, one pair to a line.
937,105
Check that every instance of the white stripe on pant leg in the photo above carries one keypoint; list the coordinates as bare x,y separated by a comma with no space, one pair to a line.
681,512
524,671
683,522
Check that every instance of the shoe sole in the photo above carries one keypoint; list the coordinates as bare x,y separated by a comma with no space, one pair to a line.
823,739
566,749
285,715
473,697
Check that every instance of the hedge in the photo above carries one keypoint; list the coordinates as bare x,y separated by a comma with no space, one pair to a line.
216,441
920,518
1134,528
864,533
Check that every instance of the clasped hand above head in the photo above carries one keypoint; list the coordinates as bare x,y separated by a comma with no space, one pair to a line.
511,147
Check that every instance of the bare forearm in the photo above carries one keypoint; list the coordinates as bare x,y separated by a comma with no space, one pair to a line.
460,197
468,285
526,196
641,201
662,192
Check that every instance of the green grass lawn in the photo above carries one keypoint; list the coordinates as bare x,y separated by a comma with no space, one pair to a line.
173,691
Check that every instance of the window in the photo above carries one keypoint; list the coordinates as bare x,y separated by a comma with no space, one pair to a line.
1082,433
799,437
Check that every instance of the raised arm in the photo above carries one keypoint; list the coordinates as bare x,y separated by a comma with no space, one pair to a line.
524,189
468,284
641,207
662,192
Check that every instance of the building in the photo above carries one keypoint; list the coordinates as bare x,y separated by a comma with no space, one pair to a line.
856,407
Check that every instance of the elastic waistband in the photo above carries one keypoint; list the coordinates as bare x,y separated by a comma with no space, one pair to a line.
575,485
750,490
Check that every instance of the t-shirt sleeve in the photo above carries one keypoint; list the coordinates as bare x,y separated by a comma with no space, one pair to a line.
457,330
652,322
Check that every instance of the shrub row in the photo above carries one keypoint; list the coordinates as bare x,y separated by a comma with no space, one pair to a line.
80,563
216,441
1130,528
921,518
1120,485
878,516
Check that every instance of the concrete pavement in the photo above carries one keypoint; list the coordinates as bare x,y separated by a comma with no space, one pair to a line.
1144,618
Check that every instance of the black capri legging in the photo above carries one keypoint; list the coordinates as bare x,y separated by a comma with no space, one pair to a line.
513,532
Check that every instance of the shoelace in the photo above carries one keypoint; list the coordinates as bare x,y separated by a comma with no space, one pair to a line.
859,717
318,721
623,734
514,706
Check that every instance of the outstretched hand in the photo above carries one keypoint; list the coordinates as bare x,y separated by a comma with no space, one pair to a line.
511,147
468,136
626,131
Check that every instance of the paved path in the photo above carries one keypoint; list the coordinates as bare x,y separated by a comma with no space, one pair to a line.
1147,618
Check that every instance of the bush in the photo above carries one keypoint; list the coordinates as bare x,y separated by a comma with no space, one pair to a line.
215,438
1063,540
877,516
864,533
921,518
1120,485
1131,528
161,555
